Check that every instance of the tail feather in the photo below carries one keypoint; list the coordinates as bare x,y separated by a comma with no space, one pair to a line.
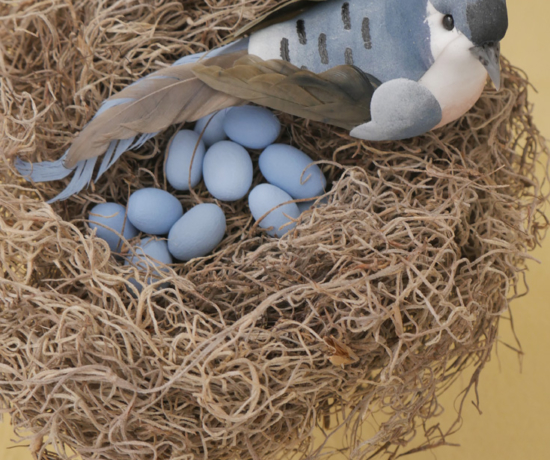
168,96
136,114
45,171
82,178
143,139
106,161
115,150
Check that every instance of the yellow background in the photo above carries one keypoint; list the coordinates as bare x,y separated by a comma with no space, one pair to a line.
515,423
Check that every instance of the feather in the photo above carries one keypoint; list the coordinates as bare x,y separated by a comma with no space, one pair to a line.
131,117
189,59
45,171
106,162
142,140
115,150
169,96
340,96
81,178
110,103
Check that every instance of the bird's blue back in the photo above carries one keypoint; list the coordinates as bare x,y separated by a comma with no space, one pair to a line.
385,38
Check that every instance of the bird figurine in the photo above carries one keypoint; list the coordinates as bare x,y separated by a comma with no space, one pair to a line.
383,69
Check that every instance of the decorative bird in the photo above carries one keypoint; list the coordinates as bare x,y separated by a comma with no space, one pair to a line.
384,69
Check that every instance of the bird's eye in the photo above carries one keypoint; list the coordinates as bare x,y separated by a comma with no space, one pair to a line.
448,22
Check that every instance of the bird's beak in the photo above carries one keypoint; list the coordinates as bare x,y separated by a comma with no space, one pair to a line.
489,56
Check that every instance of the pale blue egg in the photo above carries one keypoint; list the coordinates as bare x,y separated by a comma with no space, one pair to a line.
178,162
265,197
252,127
108,218
198,232
214,131
292,170
149,254
154,211
227,171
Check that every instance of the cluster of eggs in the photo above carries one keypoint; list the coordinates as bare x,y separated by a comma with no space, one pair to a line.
227,170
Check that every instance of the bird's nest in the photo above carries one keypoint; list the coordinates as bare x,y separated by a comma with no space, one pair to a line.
374,304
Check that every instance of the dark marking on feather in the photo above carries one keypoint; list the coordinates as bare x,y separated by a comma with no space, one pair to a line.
348,55
304,67
285,52
365,30
323,49
346,18
301,31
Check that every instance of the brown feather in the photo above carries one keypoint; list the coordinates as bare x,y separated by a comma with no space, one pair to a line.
176,96
340,96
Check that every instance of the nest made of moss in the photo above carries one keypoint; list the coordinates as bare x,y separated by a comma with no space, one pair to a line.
375,303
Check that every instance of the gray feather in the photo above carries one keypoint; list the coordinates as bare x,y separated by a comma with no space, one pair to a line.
106,163
117,148
45,171
83,169
142,140
82,178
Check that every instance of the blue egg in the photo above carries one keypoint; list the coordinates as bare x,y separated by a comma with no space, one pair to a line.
178,162
292,171
265,197
148,255
108,219
198,232
227,171
252,127
154,211
214,131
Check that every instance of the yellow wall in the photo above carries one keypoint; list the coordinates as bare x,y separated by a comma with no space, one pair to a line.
516,406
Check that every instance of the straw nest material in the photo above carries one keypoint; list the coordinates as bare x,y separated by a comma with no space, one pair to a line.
374,304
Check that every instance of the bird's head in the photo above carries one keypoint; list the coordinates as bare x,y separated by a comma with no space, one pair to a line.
483,22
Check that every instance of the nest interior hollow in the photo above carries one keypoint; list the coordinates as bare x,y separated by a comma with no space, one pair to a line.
403,275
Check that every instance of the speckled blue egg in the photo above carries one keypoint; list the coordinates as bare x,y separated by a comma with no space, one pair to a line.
251,127
214,132
178,162
154,211
148,255
265,197
292,171
197,233
108,218
227,171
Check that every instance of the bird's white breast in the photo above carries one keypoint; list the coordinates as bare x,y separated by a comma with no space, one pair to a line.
456,78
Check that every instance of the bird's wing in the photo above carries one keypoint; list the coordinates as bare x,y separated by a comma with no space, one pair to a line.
171,95
340,96
279,13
